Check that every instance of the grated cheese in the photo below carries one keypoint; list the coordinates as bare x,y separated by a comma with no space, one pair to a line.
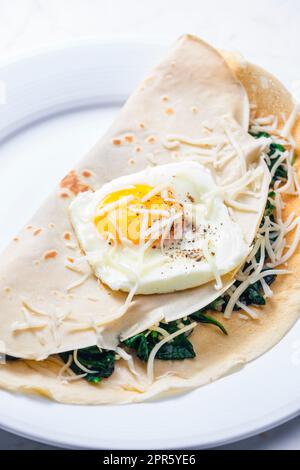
80,366
290,251
290,123
114,205
248,310
30,325
34,310
203,142
150,364
241,289
128,301
279,163
240,207
155,191
267,290
65,368
243,317
210,259
128,358
160,330
236,146
73,268
78,283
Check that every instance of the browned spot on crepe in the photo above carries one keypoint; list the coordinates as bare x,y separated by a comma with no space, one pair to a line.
86,174
169,111
50,255
72,182
37,231
129,138
67,236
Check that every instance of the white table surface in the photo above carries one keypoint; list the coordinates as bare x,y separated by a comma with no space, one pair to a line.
266,31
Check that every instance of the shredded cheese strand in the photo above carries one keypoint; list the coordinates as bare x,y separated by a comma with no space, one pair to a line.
288,127
248,310
128,358
155,191
79,282
81,366
65,368
290,252
114,205
150,365
203,142
241,289
209,258
240,207
236,146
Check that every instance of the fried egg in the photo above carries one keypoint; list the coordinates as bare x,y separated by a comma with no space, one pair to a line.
161,230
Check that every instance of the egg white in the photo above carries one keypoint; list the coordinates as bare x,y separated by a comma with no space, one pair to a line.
170,270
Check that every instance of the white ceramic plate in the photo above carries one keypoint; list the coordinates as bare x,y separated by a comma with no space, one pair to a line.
54,106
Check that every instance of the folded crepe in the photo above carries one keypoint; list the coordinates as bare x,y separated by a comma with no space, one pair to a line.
50,305
46,303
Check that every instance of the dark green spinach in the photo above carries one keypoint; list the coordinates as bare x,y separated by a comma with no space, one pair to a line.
177,349
281,173
254,294
93,358
202,317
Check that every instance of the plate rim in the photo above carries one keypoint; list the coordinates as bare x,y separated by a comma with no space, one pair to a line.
236,436
238,432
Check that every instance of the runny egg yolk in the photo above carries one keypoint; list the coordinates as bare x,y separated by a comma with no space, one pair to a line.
130,218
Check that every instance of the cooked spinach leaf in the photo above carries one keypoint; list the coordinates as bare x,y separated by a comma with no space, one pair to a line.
259,135
280,173
177,349
141,344
93,358
202,317
270,208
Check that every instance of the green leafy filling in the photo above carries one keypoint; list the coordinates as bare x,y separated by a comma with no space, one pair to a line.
254,294
180,348
281,173
201,317
177,349
93,358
